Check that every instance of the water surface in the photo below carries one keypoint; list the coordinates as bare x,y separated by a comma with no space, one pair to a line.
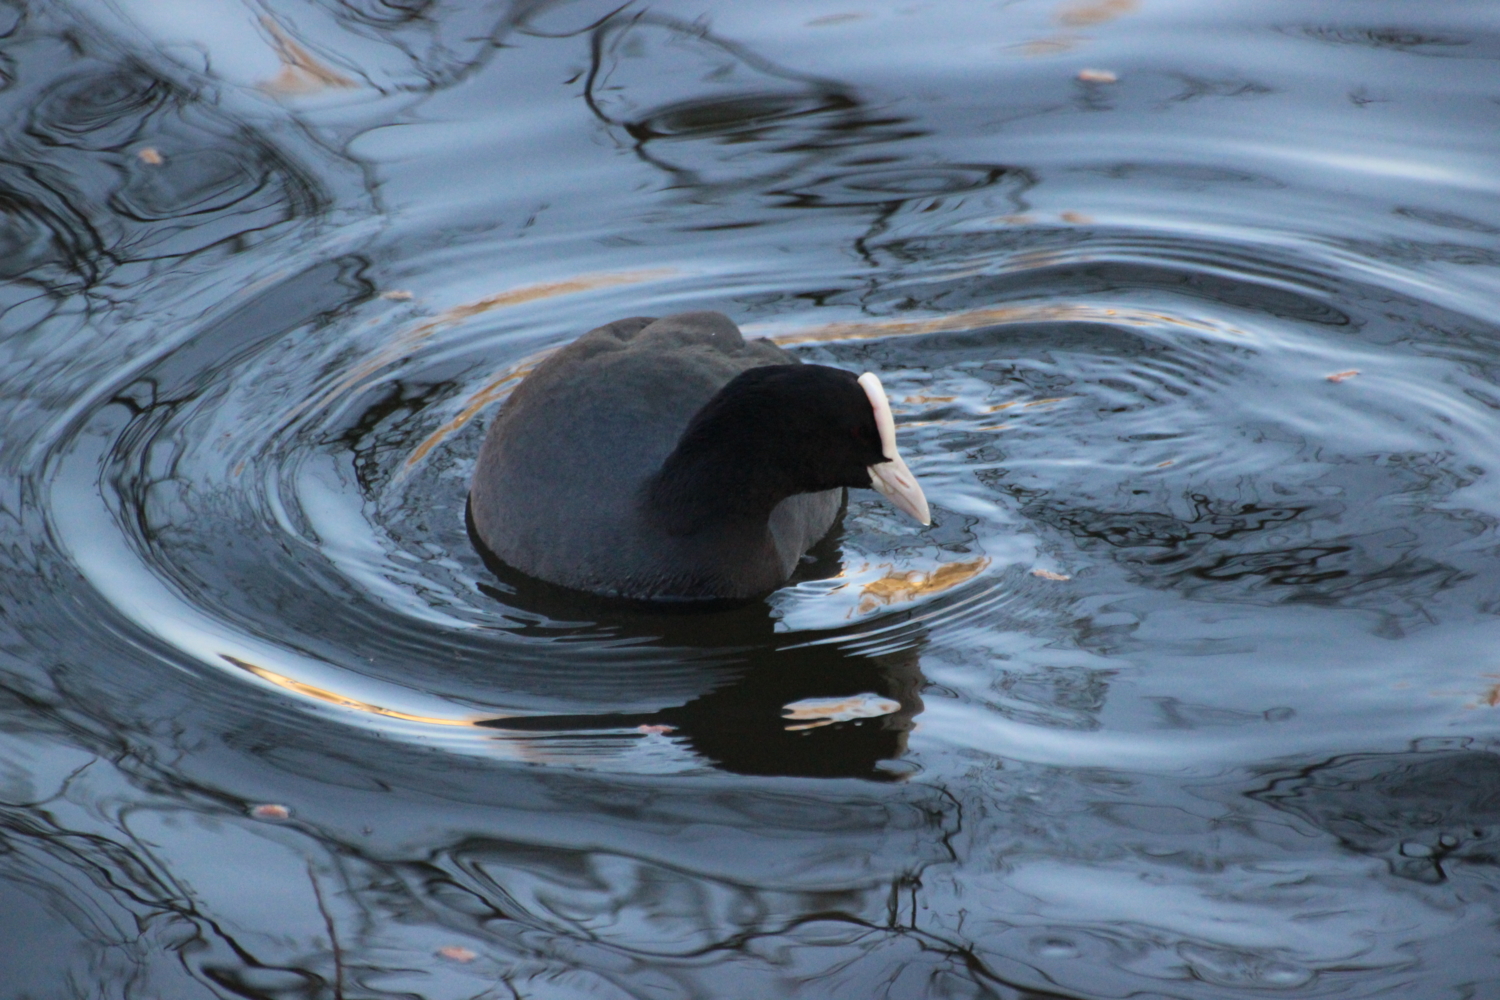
1185,309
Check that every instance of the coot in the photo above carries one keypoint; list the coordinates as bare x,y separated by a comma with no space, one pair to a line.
671,459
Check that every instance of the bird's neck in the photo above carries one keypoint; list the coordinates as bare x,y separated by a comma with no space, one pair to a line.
754,444
720,491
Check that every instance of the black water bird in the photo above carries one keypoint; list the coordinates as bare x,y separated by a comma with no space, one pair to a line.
672,460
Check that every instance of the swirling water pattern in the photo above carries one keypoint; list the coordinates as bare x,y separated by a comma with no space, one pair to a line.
1186,312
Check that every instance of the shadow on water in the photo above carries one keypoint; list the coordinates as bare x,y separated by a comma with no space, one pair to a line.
772,706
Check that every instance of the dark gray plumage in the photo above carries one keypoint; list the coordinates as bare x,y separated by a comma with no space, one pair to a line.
670,459
557,489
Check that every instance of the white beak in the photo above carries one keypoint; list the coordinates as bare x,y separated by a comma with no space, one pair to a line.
891,477
900,487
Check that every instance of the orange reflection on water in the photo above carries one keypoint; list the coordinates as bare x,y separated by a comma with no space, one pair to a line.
497,389
301,72
501,386
1079,15
1027,403
407,341
995,316
939,324
547,290
1050,46
810,713
900,587
334,698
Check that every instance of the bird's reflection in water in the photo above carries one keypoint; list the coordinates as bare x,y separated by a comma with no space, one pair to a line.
772,703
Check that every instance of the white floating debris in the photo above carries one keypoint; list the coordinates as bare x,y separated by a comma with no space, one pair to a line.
810,713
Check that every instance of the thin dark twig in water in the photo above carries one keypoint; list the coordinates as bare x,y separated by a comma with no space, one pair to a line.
333,938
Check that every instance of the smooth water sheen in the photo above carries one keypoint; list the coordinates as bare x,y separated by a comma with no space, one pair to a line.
1187,313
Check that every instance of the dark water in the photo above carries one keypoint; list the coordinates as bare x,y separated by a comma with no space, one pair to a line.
1190,691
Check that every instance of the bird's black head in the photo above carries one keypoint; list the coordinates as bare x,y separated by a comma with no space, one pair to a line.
770,433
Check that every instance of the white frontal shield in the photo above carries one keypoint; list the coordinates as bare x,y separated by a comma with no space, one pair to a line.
891,477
